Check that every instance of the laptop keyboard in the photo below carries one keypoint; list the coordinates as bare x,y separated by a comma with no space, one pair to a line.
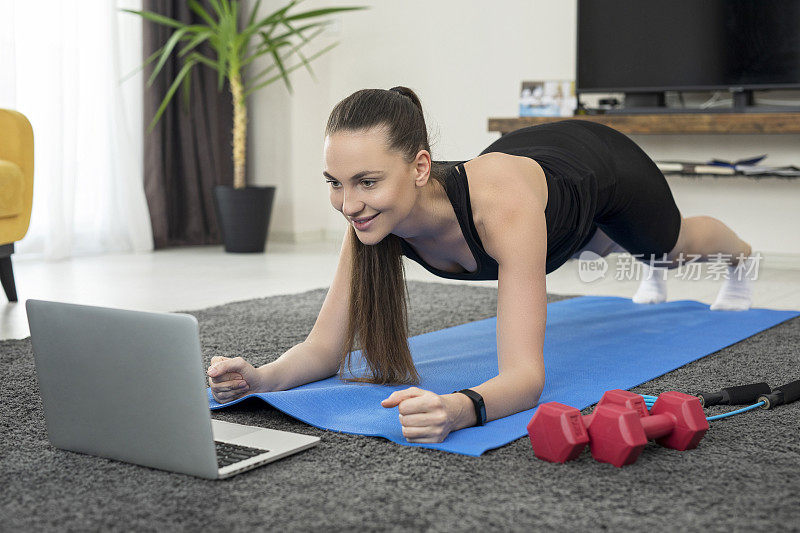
228,453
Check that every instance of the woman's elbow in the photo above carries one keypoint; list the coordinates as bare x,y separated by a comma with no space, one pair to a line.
532,386
536,388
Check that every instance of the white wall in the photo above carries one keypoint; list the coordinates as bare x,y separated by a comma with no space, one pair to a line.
466,59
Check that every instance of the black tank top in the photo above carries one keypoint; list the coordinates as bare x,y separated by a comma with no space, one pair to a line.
579,176
458,193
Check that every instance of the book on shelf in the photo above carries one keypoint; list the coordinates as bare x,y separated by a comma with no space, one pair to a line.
688,167
787,171
746,167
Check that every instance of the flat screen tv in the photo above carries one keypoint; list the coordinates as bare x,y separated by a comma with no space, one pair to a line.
646,47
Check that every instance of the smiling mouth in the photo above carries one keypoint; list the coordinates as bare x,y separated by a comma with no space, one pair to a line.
361,220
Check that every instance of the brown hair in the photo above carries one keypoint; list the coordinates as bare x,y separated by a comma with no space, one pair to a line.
378,292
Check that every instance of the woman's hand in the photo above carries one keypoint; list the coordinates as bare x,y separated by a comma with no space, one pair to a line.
231,378
424,415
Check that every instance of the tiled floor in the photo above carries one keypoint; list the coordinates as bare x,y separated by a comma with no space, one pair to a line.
197,277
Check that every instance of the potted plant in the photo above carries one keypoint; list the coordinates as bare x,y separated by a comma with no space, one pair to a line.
243,211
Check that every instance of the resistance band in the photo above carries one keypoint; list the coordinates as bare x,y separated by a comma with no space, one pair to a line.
767,398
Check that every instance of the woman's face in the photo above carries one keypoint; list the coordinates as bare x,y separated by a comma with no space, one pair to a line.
366,180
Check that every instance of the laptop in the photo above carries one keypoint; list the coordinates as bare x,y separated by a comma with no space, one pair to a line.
130,385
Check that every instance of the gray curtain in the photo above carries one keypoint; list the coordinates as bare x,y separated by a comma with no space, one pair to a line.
189,150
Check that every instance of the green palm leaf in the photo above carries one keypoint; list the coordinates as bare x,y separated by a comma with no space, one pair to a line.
295,67
187,67
155,17
261,74
198,39
140,67
171,43
231,51
197,8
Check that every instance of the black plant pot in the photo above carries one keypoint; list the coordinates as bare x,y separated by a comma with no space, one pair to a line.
243,216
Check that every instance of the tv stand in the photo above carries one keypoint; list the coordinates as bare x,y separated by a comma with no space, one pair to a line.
673,123
699,111
646,100
654,103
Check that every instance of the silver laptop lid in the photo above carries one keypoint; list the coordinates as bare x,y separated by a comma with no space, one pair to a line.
127,385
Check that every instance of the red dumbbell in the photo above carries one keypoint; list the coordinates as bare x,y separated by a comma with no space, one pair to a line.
558,432
618,435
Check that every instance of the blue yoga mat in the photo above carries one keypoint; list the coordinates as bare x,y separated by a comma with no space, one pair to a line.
592,344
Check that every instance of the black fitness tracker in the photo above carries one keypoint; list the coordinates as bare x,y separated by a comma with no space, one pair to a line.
477,401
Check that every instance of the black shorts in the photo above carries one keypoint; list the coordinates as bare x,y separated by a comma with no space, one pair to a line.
640,214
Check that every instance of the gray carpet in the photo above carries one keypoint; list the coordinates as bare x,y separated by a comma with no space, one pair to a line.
742,477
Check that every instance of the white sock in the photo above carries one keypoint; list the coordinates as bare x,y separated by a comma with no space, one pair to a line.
653,288
736,293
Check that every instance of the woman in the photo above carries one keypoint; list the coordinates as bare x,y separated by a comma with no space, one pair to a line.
534,198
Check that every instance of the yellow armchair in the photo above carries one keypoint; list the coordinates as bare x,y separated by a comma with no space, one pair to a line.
16,190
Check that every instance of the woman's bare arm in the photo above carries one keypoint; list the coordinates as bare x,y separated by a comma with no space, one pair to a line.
302,363
311,360
516,237
318,356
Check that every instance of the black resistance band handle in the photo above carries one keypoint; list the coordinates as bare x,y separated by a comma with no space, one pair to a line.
739,395
780,395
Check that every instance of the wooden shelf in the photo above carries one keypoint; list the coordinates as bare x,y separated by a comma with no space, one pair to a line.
686,123
728,176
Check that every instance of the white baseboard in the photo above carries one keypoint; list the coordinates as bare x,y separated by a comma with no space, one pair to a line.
303,237
781,261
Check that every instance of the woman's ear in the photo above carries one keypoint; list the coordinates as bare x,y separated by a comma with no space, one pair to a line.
422,168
